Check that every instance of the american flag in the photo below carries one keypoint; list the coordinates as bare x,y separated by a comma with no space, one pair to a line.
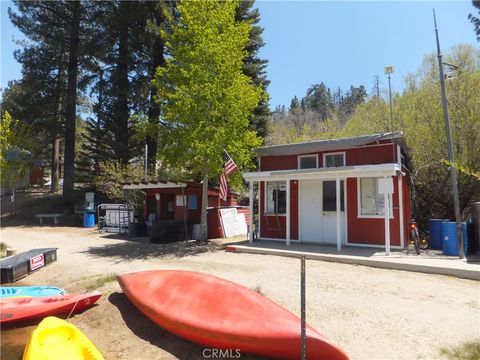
228,168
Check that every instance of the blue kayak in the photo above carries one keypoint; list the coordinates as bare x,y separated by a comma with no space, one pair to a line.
33,291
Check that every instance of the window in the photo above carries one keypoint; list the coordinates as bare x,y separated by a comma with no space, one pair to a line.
307,162
334,160
371,201
192,202
276,201
330,196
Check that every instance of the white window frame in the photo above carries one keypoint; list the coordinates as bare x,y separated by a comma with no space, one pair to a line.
359,200
307,156
266,199
335,153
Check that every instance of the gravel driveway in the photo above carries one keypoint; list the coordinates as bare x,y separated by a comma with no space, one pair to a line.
370,313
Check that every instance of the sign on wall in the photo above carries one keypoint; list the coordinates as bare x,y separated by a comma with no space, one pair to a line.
385,185
233,222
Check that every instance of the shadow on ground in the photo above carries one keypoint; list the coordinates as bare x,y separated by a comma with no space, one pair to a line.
141,249
147,330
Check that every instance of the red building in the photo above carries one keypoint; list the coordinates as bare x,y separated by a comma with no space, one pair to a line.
333,191
182,201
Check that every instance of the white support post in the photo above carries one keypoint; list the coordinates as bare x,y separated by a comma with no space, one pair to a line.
260,214
400,212
338,207
385,187
400,199
250,233
387,223
287,218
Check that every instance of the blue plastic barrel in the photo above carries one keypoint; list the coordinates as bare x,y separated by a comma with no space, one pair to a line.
450,239
88,219
435,231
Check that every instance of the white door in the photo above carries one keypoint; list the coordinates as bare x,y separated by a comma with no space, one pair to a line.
310,210
317,211
329,212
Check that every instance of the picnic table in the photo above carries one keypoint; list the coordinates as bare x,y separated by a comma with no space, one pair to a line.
47,216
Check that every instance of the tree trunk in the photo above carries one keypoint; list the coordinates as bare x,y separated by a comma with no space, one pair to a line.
55,164
70,115
158,59
122,87
98,125
203,216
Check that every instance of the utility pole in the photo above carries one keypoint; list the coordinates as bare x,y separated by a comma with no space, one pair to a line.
453,174
376,86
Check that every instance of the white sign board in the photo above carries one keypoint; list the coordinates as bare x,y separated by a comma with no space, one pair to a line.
180,200
385,185
233,223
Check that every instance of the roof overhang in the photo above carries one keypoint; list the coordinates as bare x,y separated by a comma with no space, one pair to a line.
153,185
328,145
359,171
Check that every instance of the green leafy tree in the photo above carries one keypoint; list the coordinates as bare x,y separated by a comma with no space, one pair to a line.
205,98
419,109
13,137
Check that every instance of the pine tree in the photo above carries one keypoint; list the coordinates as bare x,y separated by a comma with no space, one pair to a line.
475,20
253,66
59,29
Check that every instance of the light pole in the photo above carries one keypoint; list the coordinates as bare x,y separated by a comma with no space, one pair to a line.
389,70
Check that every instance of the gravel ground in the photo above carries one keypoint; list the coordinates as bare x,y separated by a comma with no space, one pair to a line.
370,313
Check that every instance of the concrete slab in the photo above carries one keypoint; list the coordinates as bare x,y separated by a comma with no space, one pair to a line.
429,261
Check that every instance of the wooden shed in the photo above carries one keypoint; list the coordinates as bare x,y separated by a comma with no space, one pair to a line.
182,202
331,191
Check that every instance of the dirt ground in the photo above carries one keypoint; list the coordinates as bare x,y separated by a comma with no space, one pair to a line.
370,313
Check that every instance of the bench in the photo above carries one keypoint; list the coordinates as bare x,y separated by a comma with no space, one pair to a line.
46,216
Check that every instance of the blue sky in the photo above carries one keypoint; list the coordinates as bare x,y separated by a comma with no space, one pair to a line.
340,43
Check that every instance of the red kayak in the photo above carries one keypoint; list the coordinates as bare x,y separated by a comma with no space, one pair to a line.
26,308
220,314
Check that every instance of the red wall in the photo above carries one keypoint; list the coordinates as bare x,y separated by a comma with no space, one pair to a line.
269,163
370,231
368,155
193,215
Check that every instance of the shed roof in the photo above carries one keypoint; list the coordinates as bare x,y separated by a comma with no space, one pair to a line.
159,184
143,185
326,145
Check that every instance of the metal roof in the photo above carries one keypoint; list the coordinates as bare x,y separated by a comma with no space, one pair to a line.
153,185
327,145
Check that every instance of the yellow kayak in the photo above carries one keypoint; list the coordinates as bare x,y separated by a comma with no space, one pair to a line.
55,338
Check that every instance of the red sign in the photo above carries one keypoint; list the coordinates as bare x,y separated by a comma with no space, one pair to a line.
36,262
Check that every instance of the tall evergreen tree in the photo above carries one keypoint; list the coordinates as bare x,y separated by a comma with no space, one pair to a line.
44,67
62,28
475,19
253,66
319,99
